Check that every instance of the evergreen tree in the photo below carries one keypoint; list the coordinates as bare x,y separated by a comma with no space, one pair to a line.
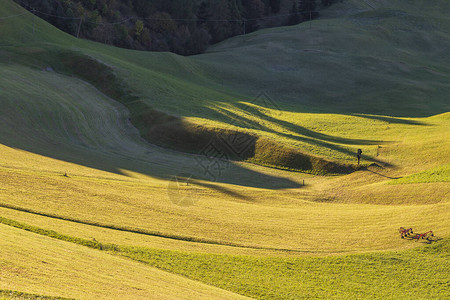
327,2
275,5
294,17
306,5
307,9
217,13
202,13
236,18
254,10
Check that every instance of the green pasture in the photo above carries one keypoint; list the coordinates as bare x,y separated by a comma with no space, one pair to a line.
88,206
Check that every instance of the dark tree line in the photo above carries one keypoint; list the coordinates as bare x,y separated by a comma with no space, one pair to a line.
305,10
185,27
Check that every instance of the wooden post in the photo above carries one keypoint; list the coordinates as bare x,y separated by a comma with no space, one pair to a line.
310,19
34,16
79,27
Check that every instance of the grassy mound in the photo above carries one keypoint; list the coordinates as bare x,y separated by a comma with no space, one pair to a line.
73,168
177,132
190,99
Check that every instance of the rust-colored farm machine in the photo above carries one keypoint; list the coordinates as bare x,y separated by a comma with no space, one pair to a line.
422,236
407,232
404,232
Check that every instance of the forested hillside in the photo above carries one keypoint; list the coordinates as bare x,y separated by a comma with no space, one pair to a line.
184,27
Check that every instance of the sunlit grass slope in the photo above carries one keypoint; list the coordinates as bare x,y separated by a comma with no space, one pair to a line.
364,76
389,60
51,267
374,276
439,174
225,214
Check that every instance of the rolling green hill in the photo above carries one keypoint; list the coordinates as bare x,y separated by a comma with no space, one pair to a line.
92,136
365,63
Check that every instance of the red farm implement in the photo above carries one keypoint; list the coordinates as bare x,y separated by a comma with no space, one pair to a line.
423,235
405,232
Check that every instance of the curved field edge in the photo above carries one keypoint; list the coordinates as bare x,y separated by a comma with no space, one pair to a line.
374,275
37,264
439,174
224,220
122,228
8,294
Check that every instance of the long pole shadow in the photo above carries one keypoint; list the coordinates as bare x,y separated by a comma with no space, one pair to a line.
367,169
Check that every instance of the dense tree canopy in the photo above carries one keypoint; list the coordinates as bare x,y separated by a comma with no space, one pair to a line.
182,26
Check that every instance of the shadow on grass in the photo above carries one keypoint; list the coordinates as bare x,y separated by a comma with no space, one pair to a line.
309,136
130,153
157,127
159,163
223,190
307,132
392,120
371,171
433,240
428,241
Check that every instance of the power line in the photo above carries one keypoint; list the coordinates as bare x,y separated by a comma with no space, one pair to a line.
56,16
13,16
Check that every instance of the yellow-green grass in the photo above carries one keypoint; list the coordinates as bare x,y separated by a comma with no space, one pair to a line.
226,214
376,275
8,294
439,174
140,199
409,274
250,224
389,141
126,238
72,121
40,265
194,89
327,238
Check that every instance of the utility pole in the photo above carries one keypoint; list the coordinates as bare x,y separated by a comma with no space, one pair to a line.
79,26
34,16
310,19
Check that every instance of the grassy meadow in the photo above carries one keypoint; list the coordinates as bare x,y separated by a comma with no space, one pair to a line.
88,206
